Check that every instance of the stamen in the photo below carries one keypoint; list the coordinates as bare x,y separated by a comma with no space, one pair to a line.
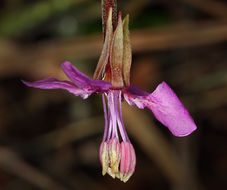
117,159
112,114
121,119
110,128
106,117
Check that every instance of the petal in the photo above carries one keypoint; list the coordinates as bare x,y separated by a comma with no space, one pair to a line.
82,81
99,85
167,108
52,83
133,96
78,78
136,91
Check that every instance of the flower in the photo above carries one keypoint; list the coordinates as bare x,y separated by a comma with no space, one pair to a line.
111,80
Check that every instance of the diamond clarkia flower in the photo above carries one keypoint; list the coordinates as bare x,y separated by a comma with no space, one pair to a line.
111,80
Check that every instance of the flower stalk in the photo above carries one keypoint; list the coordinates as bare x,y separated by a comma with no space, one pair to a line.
106,5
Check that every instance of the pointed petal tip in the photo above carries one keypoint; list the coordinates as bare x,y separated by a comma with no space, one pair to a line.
119,15
126,20
162,84
31,84
66,64
25,82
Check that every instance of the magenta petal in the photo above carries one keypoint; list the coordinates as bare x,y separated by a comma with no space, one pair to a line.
52,83
100,85
83,81
80,84
136,91
167,108
78,78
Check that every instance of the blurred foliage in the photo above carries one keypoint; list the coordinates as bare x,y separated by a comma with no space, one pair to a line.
67,18
151,19
31,15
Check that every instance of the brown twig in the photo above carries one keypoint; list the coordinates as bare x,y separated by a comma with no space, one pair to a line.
34,60
215,8
73,132
12,164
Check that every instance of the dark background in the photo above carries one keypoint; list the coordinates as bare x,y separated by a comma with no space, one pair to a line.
50,139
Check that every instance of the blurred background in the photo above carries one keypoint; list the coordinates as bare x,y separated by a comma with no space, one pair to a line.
50,139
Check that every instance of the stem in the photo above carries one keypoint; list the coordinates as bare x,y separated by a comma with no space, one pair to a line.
106,4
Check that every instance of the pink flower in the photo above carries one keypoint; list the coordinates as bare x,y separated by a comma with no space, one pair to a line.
111,80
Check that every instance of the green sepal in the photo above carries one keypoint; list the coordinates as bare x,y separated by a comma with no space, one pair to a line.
127,52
